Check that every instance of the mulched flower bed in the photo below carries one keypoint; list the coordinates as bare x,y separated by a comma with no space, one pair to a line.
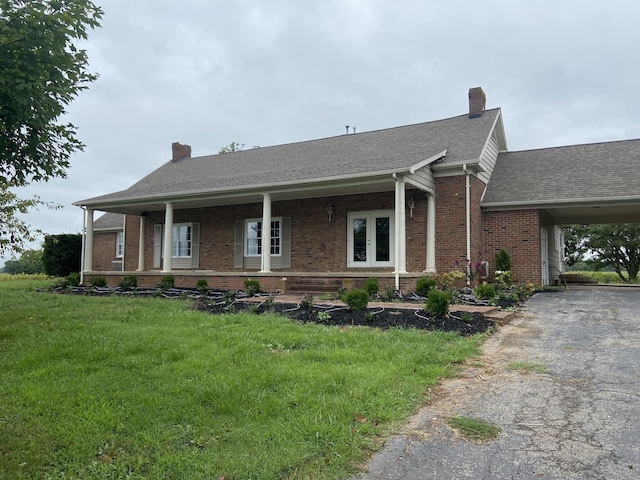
378,315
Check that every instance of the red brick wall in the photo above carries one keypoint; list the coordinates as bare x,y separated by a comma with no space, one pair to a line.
317,245
518,232
451,227
104,250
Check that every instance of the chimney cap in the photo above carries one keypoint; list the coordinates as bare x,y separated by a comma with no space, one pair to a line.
477,102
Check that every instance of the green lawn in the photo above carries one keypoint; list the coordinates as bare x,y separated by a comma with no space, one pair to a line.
95,388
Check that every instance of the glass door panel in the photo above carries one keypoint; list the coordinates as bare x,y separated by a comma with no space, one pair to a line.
360,240
383,239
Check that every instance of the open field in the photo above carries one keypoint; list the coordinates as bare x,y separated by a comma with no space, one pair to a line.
112,387
601,277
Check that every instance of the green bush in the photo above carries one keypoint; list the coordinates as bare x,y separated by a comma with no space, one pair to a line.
307,301
168,281
130,281
61,254
437,303
503,261
388,294
73,279
357,299
202,285
251,287
485,291
371,286
424,285
98,282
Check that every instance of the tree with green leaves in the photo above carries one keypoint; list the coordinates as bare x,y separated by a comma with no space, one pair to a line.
41,71
616,245
29,262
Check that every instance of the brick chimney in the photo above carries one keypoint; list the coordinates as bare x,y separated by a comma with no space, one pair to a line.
180,151
477,102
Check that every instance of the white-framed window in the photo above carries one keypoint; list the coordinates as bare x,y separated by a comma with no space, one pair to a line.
247,249
253,237
119,244
370,238
181,245
184,245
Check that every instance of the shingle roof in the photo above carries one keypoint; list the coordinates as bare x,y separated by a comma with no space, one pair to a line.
572,174
338,157
109,221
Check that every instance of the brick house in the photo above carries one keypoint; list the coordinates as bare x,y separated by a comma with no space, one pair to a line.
395,204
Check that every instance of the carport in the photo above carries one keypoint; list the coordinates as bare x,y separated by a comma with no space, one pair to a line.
580,184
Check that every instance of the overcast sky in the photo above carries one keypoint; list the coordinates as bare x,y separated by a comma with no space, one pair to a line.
209,72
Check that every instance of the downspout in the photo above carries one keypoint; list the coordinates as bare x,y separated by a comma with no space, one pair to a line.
84,241
468,221
396,243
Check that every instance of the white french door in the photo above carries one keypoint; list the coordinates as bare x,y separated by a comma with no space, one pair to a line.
370,239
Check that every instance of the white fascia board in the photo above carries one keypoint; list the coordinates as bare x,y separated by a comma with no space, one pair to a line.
341,180
427,161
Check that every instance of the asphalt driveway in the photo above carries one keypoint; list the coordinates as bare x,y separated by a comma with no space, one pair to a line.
579,419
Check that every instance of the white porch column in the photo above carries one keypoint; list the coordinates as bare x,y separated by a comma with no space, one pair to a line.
88,242
400,231
168,237
141,245
431,234
265,260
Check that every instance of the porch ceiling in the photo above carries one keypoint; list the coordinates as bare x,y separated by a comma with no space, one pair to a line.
595,214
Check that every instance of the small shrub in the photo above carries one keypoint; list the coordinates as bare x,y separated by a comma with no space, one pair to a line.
167,282
73,279
357,299
323,316
130,281
485,291
388,294
503,261
371,286
98,282
437,303
251,287
307,301
466,317
424,285
202,285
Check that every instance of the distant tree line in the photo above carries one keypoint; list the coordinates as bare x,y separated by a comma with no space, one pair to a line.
60,255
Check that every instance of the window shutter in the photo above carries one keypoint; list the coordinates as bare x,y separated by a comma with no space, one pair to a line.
238,246
157,245
195,245
286,242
